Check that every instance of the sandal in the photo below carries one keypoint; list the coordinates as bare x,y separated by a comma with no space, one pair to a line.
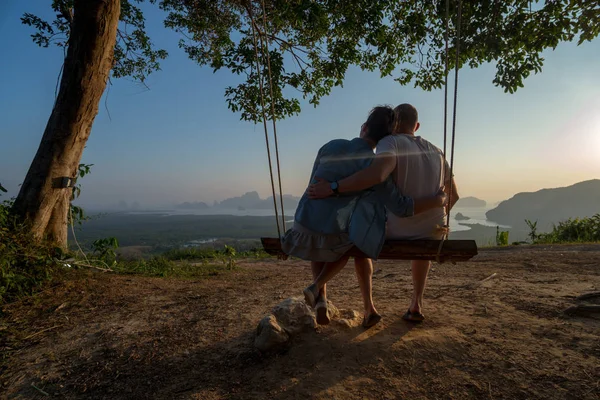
322,312
413,316
371,320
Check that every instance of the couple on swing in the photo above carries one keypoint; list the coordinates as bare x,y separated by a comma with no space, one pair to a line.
355,192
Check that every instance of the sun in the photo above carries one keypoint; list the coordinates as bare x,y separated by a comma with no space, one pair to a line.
592,133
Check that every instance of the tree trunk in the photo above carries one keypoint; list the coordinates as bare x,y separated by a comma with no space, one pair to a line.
43,201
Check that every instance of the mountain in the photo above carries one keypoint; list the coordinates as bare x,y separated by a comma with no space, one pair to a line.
549,205
247,200
289,202
252,201
192,206
470,202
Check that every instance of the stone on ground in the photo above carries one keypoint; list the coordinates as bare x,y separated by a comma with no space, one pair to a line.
287,319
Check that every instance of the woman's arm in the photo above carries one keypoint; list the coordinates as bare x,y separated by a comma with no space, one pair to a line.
315,166
381,167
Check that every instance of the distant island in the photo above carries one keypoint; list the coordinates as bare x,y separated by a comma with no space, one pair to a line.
461,217
470,201
549,206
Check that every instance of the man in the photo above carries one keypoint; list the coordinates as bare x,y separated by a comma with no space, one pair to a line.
418,170
324,230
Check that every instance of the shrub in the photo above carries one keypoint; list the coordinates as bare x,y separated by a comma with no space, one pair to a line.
25,263
501,237
573,230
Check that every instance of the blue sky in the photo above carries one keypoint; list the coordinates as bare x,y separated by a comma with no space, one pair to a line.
178,141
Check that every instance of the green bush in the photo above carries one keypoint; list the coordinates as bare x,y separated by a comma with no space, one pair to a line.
25,263
573,230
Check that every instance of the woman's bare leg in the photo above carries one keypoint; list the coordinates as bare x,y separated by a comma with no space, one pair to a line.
329,270
316,268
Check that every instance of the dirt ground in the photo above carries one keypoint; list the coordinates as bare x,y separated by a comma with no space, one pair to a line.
104,336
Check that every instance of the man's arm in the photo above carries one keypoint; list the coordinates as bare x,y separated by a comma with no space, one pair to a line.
381,167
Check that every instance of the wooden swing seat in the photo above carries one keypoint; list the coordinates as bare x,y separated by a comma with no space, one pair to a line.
452,250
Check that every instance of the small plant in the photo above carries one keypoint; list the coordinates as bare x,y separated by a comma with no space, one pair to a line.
230,254
77,213
5,207
501,237
105,248
532,230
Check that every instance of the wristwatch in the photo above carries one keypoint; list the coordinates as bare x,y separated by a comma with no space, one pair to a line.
334,187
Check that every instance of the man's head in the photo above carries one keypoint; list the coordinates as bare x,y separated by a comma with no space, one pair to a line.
380,123
407,119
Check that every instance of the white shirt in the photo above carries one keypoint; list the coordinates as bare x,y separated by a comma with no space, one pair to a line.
419,173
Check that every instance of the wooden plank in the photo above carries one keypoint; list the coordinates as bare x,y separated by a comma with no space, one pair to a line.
452,250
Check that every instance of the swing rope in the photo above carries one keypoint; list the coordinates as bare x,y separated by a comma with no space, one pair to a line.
264,117
266,47
456,68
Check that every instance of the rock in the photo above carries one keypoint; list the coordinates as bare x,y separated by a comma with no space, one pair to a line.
332,311
461,217
294,315
288,318
349,319
270,335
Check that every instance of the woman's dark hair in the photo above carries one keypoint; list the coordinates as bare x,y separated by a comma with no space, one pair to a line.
380,123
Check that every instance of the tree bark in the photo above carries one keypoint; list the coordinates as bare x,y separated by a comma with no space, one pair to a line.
43,203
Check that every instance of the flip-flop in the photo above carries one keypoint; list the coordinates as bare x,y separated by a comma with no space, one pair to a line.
322,314
413,316
371,320
309,296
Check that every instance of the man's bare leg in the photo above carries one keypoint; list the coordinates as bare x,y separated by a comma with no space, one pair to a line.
330,270
364,273
420,269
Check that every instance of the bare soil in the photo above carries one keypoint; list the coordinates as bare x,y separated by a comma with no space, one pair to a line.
103,336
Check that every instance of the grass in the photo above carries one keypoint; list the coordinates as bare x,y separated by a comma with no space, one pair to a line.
163,267
196,253
189,262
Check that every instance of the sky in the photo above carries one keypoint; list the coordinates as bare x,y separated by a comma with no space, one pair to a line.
177,141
